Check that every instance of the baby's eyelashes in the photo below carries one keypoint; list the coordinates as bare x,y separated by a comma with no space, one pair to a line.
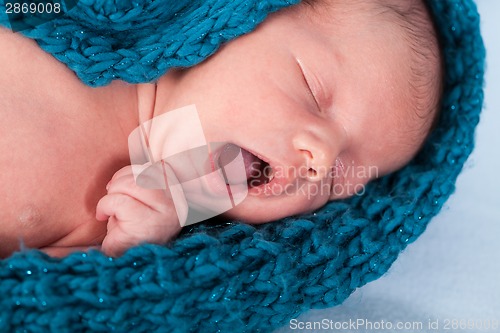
314,85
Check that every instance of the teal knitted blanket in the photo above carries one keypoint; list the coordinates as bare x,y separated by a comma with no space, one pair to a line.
234,277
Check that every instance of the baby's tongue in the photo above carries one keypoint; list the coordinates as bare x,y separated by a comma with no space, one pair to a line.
253,165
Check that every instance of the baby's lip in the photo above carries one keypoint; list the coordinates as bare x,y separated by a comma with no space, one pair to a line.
222,154
278,181
216,182
274,186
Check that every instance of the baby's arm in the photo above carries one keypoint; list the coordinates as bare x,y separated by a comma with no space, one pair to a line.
135,215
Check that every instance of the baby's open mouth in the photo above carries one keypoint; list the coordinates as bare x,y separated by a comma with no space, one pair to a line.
258,172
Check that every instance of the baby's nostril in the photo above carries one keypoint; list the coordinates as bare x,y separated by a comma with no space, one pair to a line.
311,173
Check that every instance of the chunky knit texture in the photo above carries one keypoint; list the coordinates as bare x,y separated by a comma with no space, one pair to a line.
235,277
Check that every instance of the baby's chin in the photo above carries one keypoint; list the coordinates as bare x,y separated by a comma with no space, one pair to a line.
263,213
251,216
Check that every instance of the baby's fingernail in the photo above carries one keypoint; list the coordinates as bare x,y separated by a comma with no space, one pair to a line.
107,185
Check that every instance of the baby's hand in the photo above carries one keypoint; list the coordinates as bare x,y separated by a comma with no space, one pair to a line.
136,215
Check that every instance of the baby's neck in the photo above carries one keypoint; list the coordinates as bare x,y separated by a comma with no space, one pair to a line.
146,101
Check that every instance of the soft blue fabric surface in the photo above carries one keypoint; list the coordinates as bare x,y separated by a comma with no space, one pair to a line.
235,277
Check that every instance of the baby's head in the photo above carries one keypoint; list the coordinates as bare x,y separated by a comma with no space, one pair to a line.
322,97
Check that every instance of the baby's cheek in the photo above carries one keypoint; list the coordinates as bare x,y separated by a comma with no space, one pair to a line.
348,185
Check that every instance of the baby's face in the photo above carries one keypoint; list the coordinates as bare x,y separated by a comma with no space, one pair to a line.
325,106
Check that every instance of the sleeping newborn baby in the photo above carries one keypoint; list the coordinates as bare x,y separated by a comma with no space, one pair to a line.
320,99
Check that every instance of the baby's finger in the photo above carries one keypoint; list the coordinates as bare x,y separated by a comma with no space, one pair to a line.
103,209
117,241
130,170
159,200
125,171
122,206
146,176
100,214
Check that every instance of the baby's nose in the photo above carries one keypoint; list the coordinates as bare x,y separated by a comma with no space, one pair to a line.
317,155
